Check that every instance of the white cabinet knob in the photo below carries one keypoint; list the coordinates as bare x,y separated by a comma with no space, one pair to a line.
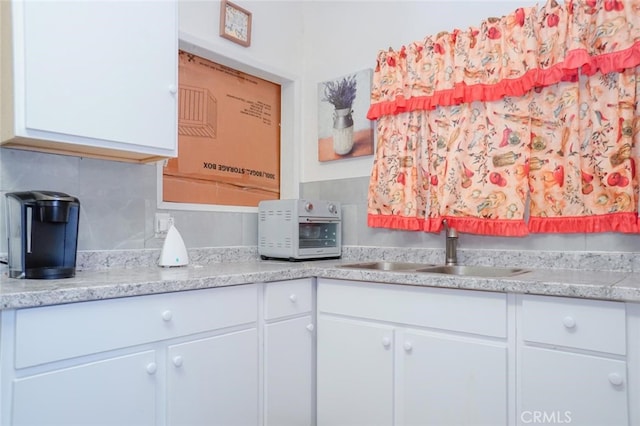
293,298
310,327
615,379
177,361
173,89
386,342
407,346
152,368
569,322
167,315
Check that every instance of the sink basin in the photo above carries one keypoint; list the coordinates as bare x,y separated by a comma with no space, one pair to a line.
459,270
474,271
387,266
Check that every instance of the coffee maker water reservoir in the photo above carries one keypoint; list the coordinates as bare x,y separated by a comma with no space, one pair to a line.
42,228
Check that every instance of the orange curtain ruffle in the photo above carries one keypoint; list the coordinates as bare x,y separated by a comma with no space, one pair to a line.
509,228
614,222
396,222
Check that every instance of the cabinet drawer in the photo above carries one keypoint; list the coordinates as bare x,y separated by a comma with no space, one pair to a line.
468,311
286,298
577,323
59,332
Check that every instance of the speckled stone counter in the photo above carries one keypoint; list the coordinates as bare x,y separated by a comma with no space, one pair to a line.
111,283
135,273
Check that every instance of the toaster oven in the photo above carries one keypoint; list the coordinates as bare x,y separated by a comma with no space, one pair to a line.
299,229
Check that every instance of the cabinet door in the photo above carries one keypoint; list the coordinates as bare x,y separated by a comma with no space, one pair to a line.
561,387
118,391
355,373
97,70
289,372
214,381
451,380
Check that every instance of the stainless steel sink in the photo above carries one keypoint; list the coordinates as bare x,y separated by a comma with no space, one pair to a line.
387,266
474,271
459,270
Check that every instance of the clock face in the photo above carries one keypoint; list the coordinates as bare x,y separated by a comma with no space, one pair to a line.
236,23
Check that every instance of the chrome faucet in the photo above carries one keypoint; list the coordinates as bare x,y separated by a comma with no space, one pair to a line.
451,244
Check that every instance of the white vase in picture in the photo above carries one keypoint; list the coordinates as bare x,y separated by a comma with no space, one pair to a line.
342,131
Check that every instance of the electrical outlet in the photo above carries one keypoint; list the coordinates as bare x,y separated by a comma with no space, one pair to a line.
163,222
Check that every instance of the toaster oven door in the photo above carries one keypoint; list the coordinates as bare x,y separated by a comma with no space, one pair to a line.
319,235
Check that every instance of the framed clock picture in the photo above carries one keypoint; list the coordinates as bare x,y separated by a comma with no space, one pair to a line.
235,23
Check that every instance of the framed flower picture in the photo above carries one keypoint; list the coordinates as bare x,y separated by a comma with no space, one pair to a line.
344,131
235,23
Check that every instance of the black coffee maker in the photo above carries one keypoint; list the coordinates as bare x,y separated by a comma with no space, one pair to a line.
42,228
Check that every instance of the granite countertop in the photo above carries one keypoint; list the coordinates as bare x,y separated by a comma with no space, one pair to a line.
124,282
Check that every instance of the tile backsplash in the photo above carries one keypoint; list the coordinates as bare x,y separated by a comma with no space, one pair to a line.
118,206
118,202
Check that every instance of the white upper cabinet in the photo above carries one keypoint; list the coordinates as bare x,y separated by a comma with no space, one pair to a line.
92,78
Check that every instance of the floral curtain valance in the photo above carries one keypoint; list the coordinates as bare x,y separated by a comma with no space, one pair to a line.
508,56
532,114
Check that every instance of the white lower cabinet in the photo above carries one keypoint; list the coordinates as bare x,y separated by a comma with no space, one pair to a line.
451,380
418,356
572,362
214,381
289,372
563,387
401,355
116,391
385,355
289,346
201,357
355,372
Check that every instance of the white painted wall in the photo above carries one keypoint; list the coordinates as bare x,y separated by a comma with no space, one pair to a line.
277,32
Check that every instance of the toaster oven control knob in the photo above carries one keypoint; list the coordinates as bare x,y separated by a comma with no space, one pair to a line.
332,208
308,206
